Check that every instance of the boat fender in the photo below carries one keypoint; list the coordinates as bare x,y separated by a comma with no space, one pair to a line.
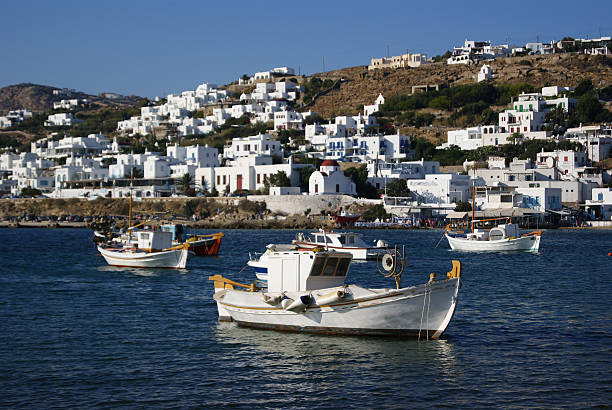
432,277
271,300
330,297
286,302
298,305
381,244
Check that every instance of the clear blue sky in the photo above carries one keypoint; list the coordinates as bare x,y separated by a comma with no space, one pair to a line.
152,47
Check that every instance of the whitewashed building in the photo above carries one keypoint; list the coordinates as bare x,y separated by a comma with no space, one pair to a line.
329,179
253,146
442,188
600,206
61,120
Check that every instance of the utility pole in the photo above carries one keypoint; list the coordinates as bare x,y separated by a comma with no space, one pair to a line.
387,50
323,63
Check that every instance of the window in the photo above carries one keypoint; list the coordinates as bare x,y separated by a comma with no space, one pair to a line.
224,180
258,177
218,179
337,188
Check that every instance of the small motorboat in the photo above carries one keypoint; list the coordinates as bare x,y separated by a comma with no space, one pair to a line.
153,249
306,292
344,217
342,242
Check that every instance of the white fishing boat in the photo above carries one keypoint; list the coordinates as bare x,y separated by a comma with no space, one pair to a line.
504,237
153,249
306,292
342,242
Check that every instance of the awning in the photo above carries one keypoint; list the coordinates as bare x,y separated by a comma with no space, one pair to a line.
456,215
559,212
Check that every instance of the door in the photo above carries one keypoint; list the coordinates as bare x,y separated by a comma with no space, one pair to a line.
238,182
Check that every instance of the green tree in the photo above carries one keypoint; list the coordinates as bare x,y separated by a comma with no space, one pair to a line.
463,206
27,191
397,187
305,173
584,87
279,179
359,176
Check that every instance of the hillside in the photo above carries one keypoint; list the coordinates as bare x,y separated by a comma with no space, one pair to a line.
40,98
362,86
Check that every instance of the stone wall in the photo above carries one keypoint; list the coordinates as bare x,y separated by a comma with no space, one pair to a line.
297,204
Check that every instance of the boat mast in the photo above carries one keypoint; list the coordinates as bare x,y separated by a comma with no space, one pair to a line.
130,211
473,195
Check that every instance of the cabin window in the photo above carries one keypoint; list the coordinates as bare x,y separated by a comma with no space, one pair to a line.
343,266
330,267
351,239
342,240
318,238
317,266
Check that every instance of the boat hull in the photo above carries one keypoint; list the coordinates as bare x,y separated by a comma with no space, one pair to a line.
424,310
206,246
171,259
529,243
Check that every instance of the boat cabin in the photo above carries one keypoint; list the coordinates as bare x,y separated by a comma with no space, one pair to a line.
337,239
502,231
154,240
177,231
298,270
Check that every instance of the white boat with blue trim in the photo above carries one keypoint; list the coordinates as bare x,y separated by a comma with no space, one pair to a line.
306,292
341,242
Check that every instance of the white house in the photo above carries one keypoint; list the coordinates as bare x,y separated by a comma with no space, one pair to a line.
60,120
485,73
401,61
156,168
600,206
246,173
371,109
253,146
442,188
201,157
329,179
541,199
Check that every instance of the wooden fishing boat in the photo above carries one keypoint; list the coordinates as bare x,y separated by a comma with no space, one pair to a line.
153,249
306,292
205,245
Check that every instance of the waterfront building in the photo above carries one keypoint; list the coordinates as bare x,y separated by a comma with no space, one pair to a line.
600,206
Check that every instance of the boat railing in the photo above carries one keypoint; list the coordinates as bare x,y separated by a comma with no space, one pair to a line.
224,283
536,233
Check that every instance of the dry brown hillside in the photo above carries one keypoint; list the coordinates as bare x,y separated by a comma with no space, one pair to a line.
40,98
362,86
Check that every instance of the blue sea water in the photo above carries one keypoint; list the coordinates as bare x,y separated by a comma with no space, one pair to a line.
531,330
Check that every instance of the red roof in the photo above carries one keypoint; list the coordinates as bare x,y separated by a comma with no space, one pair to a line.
330,163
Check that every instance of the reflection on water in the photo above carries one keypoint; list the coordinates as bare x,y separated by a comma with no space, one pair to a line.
331,353
139,271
